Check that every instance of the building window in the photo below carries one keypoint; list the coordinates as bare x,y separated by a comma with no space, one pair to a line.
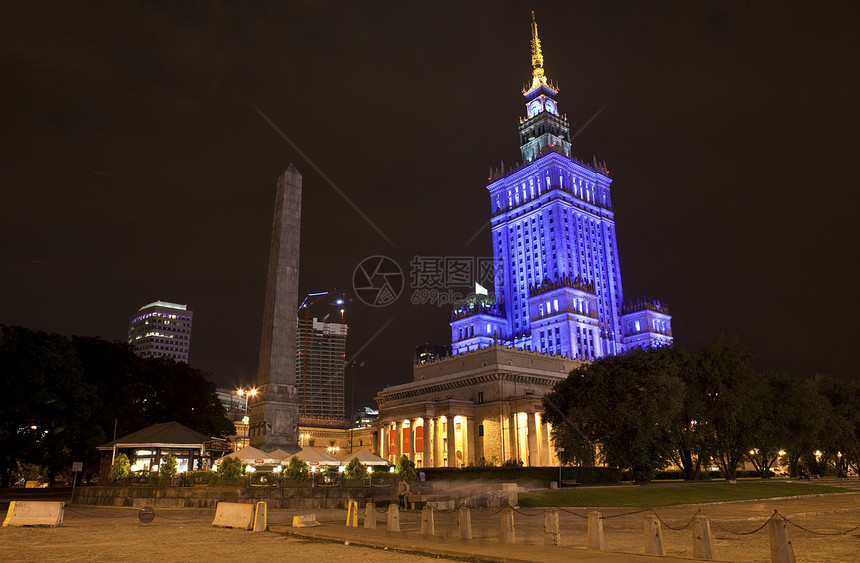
480,430
480,397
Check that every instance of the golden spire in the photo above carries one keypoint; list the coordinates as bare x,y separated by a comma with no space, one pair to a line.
538,76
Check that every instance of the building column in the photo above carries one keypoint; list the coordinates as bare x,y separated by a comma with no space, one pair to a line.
434,443
398,441
544,442
426,459
534,453
383,441
412,439
473,440
452,441
513,437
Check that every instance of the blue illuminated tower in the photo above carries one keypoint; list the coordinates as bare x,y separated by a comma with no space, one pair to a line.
558,280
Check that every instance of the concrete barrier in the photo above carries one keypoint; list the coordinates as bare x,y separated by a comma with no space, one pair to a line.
702,546
370,516
305,521
653,535
393,518
507,532
551,533
781,550
595,531
428,523
261,517
234,515
464,521
30,513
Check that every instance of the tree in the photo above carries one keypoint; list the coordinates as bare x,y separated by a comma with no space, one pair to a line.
167,468
405,469
733,397
297,470
50,421
839,440
119,469
618,409
355,469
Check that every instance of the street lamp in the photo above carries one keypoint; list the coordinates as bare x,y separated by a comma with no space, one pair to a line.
247,393
304,437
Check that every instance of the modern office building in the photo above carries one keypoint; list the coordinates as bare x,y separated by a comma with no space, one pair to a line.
320,362
557,274
161,330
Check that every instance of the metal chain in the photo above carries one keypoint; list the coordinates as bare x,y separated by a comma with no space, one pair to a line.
625,514
571,512
842,533
760,528
684,527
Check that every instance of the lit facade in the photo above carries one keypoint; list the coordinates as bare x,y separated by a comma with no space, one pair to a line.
558,278
161,330
320,363
477,407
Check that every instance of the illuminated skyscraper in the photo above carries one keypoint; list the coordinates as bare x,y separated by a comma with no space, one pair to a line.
320,362
161,330
558,279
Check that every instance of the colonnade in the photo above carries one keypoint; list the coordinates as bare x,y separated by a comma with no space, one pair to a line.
458,440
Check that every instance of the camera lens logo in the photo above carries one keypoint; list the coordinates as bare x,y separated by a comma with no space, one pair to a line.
377,281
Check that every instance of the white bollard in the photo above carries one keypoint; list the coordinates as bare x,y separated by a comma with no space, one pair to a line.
464,519
370,516
781,550
595,531
550,527
393,518
702,546
428,527
653,535
507,533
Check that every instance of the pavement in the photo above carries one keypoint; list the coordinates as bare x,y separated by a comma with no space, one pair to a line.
740,516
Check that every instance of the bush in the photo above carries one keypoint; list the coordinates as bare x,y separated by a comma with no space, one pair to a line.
231,468
354,469
405,469
167,468
192,478
119,469
297,470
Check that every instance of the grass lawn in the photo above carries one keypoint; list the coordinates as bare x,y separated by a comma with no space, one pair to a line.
670,494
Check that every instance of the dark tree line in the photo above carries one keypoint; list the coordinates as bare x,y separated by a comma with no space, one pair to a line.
652,409
65,396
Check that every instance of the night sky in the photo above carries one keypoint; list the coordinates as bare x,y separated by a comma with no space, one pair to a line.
140,161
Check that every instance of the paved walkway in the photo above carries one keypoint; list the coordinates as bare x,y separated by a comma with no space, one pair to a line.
741,516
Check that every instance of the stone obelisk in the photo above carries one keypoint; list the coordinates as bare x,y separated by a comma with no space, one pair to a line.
274,420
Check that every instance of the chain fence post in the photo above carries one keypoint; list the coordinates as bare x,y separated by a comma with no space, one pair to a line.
464,519
370,516
595,531
428,526
506,526
702,546
781,550
551,529
653,535
393,518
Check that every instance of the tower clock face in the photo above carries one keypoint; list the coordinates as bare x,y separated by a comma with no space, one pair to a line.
534,108
550,106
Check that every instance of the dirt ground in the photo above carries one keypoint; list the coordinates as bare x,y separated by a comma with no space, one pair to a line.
115,534
111,534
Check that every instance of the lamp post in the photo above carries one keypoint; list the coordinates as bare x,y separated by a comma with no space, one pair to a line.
247,393
304,437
